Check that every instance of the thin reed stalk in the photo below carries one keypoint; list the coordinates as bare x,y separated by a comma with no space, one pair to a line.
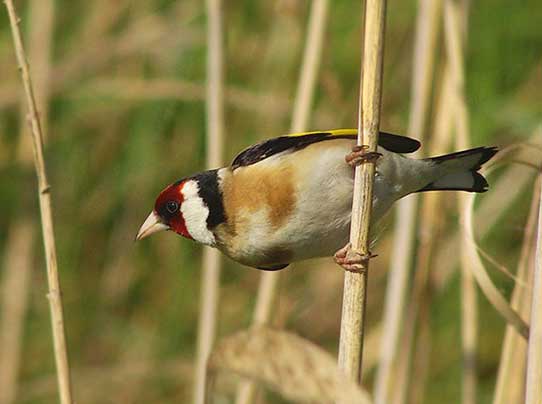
267,289
44,191
533,389
355,283
427,28
510,386
454,40
210,281
439,142
22,233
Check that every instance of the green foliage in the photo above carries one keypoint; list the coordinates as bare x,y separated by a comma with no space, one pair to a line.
110,151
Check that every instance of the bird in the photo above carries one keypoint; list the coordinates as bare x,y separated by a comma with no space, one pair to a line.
289,198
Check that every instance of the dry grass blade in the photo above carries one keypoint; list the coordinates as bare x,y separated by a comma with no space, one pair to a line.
482,278
210,280
355,284
296,368
54,295
511,377
303,100
427,29
504,191
533,394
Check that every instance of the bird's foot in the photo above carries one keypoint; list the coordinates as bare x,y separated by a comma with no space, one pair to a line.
360,155
352,261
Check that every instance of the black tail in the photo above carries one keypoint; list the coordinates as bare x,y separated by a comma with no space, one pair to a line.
460,170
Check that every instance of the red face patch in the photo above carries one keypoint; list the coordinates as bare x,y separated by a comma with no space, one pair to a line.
168,207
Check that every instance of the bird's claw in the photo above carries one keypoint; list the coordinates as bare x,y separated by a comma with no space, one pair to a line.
360,155
351,260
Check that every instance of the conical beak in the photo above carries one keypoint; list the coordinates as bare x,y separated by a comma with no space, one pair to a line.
153,224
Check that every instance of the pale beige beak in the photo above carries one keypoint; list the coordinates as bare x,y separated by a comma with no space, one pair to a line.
152,224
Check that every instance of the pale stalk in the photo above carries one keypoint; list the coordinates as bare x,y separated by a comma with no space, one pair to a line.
304,97
510,386
533,389
44,189
438,144
355,283
22,233
454,40
210,280
427,28
429,226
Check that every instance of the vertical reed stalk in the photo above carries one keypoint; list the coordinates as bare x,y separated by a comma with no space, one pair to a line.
355,283
533,393
210,281
454,50
304,96
44,190
441,134
512,366
22,233
427,28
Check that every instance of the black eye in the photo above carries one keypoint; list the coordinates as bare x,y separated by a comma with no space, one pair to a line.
172,206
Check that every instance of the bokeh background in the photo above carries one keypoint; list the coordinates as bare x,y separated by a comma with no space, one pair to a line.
121,87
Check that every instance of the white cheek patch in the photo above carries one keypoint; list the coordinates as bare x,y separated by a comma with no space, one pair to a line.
195,214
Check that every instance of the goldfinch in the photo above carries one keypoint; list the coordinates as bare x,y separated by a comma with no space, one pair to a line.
289,198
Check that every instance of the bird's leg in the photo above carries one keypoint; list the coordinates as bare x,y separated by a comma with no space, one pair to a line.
350,260
360,155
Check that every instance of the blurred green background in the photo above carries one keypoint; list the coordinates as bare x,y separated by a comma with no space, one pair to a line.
125,115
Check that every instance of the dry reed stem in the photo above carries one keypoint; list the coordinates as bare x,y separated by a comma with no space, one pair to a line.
427,28
17,268
355,284
304,97
210,280
44,190
533,389
438,144
454,39
295,367
21,237
40,38
429,223
484,281
510,386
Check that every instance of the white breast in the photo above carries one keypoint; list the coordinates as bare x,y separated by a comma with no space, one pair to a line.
320,222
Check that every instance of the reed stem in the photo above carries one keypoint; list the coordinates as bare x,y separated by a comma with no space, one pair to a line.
427,28
211,263
44,192
355,283
533,394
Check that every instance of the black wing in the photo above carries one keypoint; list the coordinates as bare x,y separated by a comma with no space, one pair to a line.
267,148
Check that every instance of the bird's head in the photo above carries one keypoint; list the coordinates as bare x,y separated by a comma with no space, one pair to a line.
180,208
167,213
